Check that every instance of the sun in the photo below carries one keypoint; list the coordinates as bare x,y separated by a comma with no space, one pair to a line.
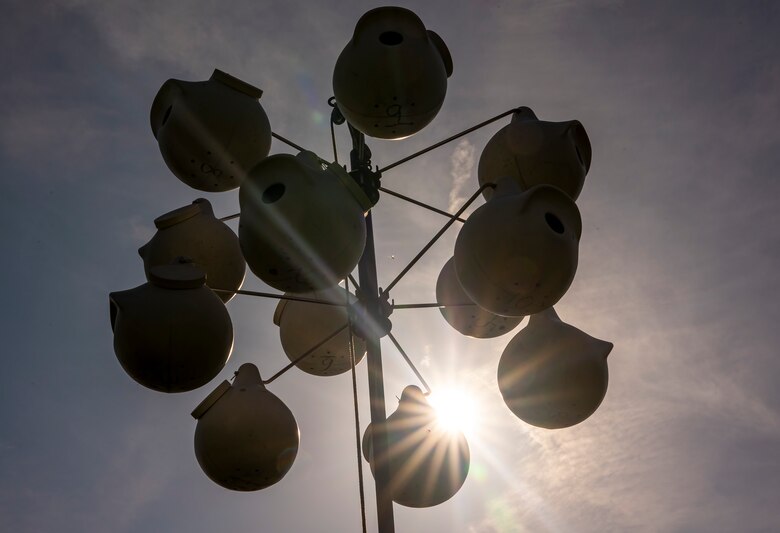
456,409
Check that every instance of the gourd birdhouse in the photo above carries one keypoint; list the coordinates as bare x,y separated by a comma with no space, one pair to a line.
194,232
391,78
304,325
535,152
172,334
302,224
551,374
246,438
517,254
211,133
427,463
463,314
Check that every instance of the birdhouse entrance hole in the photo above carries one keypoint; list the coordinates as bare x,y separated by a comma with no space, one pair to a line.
554,222
273,193
391,38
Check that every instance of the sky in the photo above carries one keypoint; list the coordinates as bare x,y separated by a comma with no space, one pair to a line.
679,264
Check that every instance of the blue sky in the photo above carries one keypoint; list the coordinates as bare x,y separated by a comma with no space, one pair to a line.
679,263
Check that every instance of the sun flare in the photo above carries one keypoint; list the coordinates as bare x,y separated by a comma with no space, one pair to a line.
456,409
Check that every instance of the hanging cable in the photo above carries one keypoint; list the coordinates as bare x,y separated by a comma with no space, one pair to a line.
352,361
336,119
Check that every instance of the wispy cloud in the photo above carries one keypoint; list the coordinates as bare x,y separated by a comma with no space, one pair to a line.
461,169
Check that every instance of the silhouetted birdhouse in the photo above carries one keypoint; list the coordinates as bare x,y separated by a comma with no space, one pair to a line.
302,225
471,319
427,463
517,254
391,78
194,232
535,152
246,438
172,334
551,374
304,325
211,133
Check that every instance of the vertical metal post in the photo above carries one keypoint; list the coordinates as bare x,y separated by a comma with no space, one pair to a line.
369,293
376,389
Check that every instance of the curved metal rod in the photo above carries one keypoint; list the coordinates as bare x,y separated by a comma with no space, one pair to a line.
304,355
438,235
421,204
448,139
280,296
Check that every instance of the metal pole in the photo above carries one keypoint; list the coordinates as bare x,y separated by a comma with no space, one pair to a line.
376,389
369,296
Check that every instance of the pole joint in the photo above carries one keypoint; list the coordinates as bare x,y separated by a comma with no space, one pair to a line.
360,161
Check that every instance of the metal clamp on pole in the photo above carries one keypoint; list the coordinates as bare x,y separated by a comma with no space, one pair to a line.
360,160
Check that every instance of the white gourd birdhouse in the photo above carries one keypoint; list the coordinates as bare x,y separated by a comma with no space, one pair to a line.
535,152
427,463
517,254
304,325
194,232
246,438
470,320
302,224
172,334
211,133
391,78
551,374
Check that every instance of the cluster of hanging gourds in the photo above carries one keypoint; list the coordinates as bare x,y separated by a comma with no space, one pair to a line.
302,230
516,256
